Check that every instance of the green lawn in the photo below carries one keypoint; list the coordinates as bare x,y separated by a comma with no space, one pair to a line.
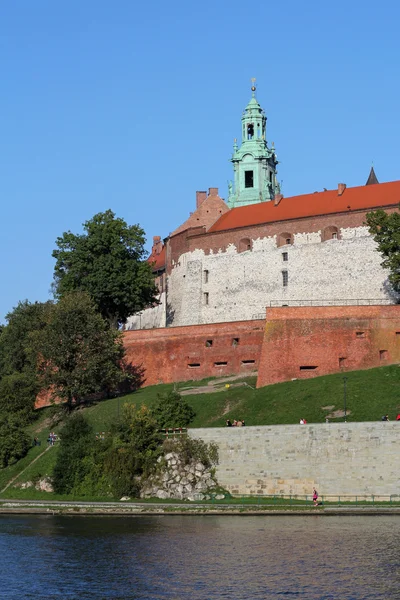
370,394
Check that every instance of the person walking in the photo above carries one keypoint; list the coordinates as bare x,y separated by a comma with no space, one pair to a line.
315,497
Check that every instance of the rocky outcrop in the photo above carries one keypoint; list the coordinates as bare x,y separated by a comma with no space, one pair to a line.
176,479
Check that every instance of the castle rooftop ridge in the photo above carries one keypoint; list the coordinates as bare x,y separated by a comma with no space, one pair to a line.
311,205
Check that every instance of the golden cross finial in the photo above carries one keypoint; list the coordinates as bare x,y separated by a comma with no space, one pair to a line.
253,84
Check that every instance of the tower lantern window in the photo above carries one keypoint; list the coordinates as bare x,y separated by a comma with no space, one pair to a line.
250,131
248,179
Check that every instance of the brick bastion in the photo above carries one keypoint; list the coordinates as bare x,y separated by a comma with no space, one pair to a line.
304,342
348,459
291,343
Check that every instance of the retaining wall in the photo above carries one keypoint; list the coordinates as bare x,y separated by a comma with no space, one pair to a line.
195,352
336,458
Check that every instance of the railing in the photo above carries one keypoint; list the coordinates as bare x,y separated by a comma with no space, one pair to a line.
307,501
332,302
174,432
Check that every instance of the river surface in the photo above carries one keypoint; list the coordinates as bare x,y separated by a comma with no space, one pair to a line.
200,557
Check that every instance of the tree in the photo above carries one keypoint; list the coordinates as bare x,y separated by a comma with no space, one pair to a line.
19,384
78,354
14,441
108,262
386,231
171,410
76,440
136,445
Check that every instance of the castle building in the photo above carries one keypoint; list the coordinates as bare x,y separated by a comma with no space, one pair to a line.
230,261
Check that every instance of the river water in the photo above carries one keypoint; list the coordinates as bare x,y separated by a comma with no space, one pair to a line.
200,557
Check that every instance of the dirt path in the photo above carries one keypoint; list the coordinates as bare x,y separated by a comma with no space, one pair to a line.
217,385
23,470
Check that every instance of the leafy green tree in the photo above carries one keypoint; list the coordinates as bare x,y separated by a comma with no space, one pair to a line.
76,440
172,410
14,441
78,354
19,383
136,446
386,231
108,262
18,395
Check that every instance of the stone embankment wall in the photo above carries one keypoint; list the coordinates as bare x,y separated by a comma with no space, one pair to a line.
338,458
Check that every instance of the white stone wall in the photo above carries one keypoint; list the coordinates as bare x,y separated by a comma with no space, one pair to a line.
150,318
337,458
241,285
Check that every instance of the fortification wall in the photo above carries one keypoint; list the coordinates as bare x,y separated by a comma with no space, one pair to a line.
310,341
149,318
193,353
223,284
338,459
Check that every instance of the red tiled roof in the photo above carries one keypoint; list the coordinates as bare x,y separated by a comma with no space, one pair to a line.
157,260
310,205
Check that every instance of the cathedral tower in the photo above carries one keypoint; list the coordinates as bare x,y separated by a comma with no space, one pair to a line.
254,164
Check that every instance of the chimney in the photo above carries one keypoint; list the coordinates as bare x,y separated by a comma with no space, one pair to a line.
340,188
277,199
200,197
157,245
213,192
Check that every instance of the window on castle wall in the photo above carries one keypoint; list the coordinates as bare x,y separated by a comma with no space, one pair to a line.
285,256
330,233
360,334
244,245
235,342
205,276
383,354
248,179
206,298
285,278
209,343
248,362
285,239
193,365
221,363
342,361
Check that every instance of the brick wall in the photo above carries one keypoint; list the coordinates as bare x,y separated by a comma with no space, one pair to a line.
311,341
195,352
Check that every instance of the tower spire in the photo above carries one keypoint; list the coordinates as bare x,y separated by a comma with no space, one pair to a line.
254,163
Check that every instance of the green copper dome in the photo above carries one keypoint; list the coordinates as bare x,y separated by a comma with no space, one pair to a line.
254,163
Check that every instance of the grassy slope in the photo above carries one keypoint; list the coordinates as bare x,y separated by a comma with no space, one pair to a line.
370,394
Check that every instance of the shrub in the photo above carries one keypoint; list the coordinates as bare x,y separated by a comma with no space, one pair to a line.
171,410
190,450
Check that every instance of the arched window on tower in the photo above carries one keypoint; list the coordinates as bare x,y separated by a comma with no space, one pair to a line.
250,131
244,244
285,239
330,233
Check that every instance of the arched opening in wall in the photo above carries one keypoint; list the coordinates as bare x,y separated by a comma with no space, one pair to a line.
330,233
285,239
244,244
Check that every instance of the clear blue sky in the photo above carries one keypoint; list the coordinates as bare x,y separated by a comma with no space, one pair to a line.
133,106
